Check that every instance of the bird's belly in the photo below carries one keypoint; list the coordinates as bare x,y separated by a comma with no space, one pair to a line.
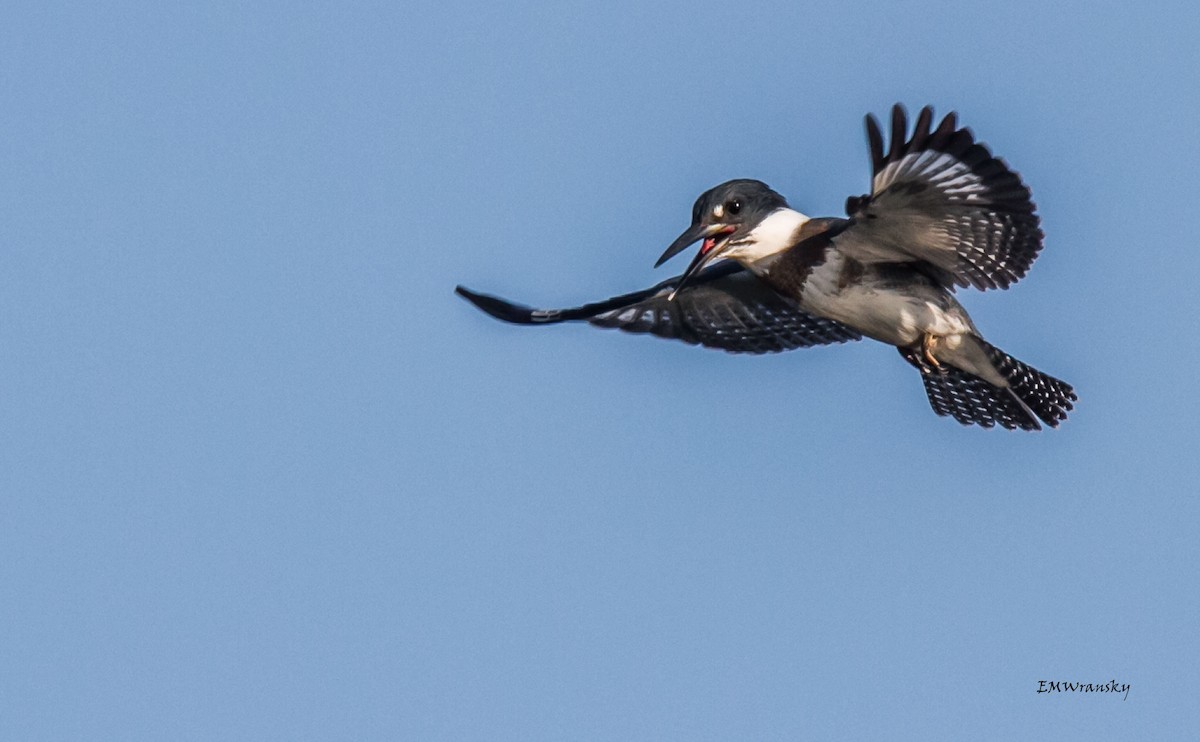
897,315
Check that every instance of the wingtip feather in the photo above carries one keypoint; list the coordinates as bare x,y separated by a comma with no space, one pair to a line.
899,133
874,143
502,310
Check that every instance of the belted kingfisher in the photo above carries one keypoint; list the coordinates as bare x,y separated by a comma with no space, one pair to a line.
942,213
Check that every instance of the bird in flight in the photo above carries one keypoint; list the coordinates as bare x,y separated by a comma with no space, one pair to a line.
943,213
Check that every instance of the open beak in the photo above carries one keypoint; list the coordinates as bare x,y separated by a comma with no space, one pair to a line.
712,235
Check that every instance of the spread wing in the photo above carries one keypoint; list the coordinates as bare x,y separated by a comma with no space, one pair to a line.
725,307
941,199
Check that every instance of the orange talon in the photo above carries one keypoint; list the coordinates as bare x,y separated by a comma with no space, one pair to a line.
927,349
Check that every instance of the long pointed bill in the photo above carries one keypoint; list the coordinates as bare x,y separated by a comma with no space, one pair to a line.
703,257
690,235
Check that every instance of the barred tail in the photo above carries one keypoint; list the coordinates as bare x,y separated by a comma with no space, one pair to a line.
1049,398
1030,395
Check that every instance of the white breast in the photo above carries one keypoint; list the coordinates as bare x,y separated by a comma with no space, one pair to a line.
886,313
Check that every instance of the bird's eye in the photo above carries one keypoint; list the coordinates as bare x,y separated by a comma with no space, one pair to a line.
733,207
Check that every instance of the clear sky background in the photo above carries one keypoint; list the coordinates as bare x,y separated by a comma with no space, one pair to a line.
263,476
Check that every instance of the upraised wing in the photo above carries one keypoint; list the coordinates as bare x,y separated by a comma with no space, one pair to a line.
941,198
724,307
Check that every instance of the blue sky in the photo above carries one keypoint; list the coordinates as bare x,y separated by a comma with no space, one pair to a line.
264,476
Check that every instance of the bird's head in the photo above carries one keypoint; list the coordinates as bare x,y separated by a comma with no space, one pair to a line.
725,217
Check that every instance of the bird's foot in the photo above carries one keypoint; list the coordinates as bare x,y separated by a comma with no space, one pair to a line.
916,360
927,345
921,356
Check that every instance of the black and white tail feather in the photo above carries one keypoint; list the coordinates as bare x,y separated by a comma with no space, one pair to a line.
1030,399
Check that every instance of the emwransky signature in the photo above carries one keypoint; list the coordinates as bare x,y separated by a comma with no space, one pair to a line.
1066,686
